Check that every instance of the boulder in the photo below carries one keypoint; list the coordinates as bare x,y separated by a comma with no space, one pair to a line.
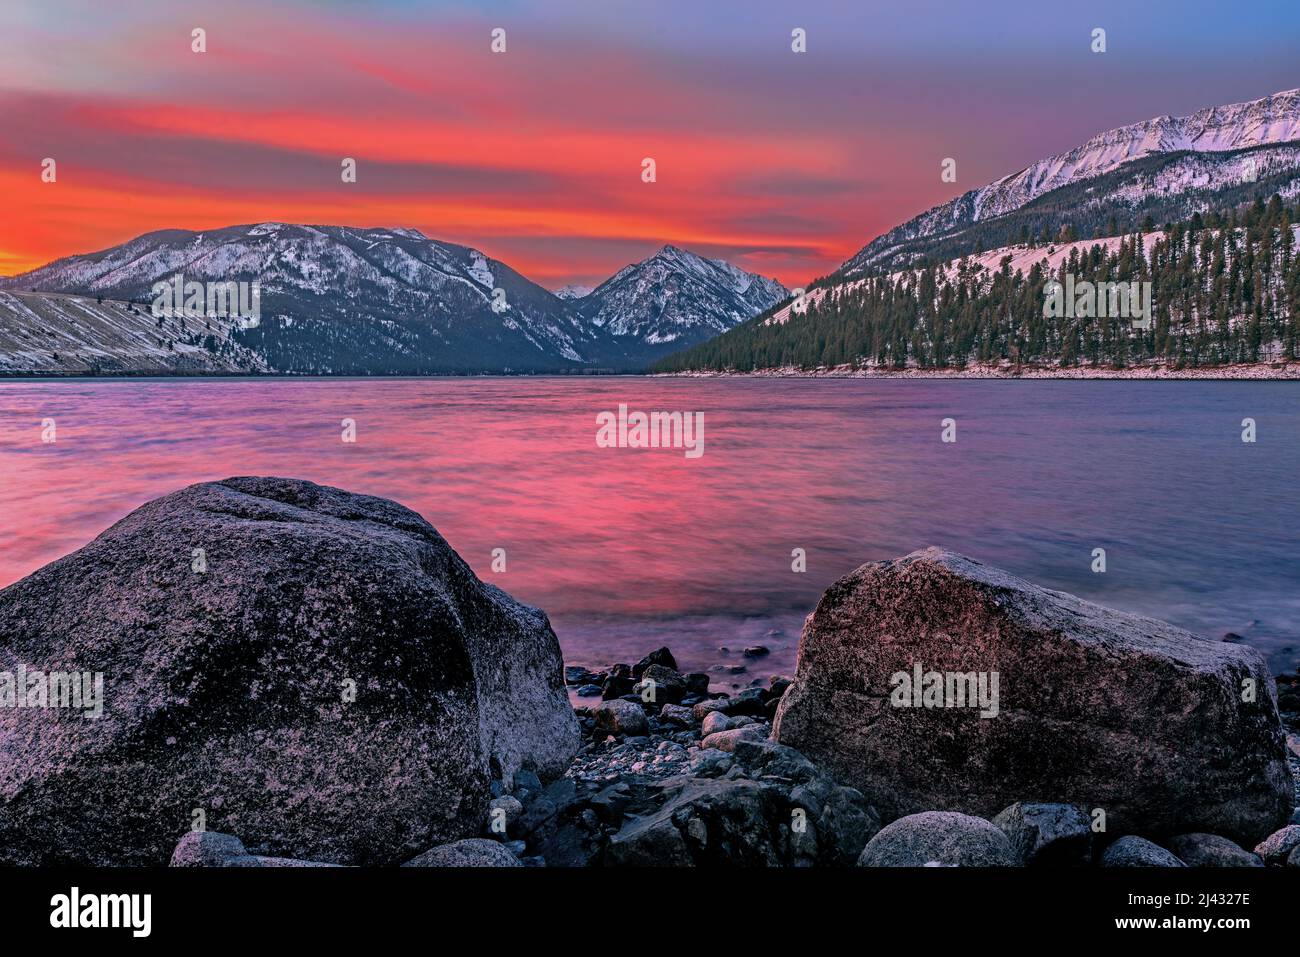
212,849
702,709
472,852
1058,835
727,740
621,717
714,721
1211,850
668,686
1091,706
675,714
660,656
1275,848
1134,851
943,838
207,849
317,670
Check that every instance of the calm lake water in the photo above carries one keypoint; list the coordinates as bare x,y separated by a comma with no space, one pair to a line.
629,549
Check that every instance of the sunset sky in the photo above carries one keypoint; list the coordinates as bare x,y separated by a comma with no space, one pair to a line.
783,163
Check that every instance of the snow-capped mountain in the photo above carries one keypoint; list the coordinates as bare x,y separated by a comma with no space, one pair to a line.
341,299
676,298
572,291
1174,163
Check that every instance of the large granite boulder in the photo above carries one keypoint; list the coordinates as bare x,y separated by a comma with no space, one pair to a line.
1165,732
326,678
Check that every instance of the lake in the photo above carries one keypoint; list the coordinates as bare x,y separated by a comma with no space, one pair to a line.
631,548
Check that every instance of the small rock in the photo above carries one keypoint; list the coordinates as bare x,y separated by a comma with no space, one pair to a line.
710,764
697,683
756,651
714,722
727,740
1211,850
207,849
590,691
676,714
661,656
1052,834
1132,851
705,708
1275,848
527,781
945,838
507,810
616,686
668,686
622,717
472,852
610,803
748,702
846,824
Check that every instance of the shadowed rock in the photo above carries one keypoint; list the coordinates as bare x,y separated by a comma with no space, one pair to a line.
473,852
1211,850
327,679
1134,851
939,839
1095,707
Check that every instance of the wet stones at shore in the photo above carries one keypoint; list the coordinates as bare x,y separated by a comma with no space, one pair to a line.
1166,732
318,671
662,797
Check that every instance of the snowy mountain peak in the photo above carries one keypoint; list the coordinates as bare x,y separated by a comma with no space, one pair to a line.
573,291
1271,119
678,297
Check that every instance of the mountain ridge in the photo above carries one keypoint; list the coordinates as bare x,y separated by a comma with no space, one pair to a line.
364,300
1228,129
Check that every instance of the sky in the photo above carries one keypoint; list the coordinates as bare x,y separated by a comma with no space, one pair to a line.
784,163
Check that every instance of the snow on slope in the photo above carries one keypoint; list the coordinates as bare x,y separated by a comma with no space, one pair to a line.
678,297
57,334
1270,120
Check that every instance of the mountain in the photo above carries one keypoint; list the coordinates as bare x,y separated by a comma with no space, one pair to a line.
337,299
572,291
345,300
676,298
50,333
1167,168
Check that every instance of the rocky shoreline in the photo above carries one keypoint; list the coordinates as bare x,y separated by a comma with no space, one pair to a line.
333,686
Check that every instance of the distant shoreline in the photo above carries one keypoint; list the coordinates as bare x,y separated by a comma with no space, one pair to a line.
1237,372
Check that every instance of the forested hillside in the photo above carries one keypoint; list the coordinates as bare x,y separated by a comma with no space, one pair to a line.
1225,290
